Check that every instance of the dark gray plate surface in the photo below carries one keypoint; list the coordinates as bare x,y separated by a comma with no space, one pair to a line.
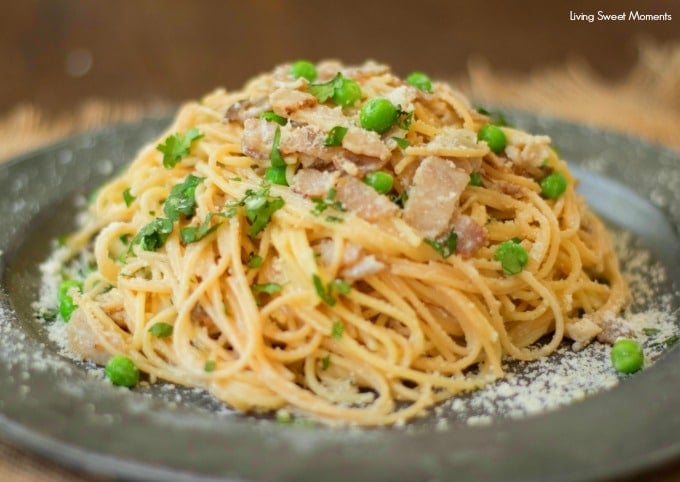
61,410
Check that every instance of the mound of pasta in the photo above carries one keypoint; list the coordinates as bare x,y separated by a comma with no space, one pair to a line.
338,243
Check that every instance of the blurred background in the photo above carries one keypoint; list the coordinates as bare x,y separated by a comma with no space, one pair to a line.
57,53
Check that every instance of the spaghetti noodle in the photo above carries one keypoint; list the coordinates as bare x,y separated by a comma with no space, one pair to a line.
284,248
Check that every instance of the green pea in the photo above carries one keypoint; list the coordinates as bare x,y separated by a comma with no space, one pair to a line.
420,80
346,93
276,175
513,257
303,68
380,181
553,185
494,137
378,114
66,304
122,371
627,356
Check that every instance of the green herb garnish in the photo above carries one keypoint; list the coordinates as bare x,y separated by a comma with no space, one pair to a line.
337,330
255,261
335,136
446,246
153,235
182,198
269,288
271,116
128,198
191,234
401,142
178,146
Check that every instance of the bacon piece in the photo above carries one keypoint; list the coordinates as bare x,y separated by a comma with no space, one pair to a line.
363,199
308,141
258,137
525,149
471,236
367,266
614,328
433,198
451,142
247,109
82,340
582,332
403,96
286,101
312,182
322,116
366,143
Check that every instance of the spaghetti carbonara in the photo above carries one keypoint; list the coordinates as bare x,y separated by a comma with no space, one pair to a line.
340,243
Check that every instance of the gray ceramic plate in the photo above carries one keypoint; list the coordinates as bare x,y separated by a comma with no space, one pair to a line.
58,409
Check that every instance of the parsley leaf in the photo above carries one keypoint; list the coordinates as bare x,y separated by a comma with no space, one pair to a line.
401,142
404,119
320,205
446,246
209,366
337,330
128,198
475,179
182,198
191,234
324,294
255,260
153,235
272,117
260,207
177,146
276,157
325,91
326,362
269,288
495,116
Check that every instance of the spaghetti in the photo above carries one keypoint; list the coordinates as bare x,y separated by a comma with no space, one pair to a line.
285,247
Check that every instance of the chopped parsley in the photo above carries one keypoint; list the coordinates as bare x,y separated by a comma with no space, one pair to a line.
321,204
271,116
401,142
337,329
191,234
446,246
326,292
209,365
254,261
276,157
335,136
496,116
269,288
475,179
404,119
651,331
399,199
178,146
341,90
161,330
153,235
326,362
259,207
667,343
182,198
128,198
